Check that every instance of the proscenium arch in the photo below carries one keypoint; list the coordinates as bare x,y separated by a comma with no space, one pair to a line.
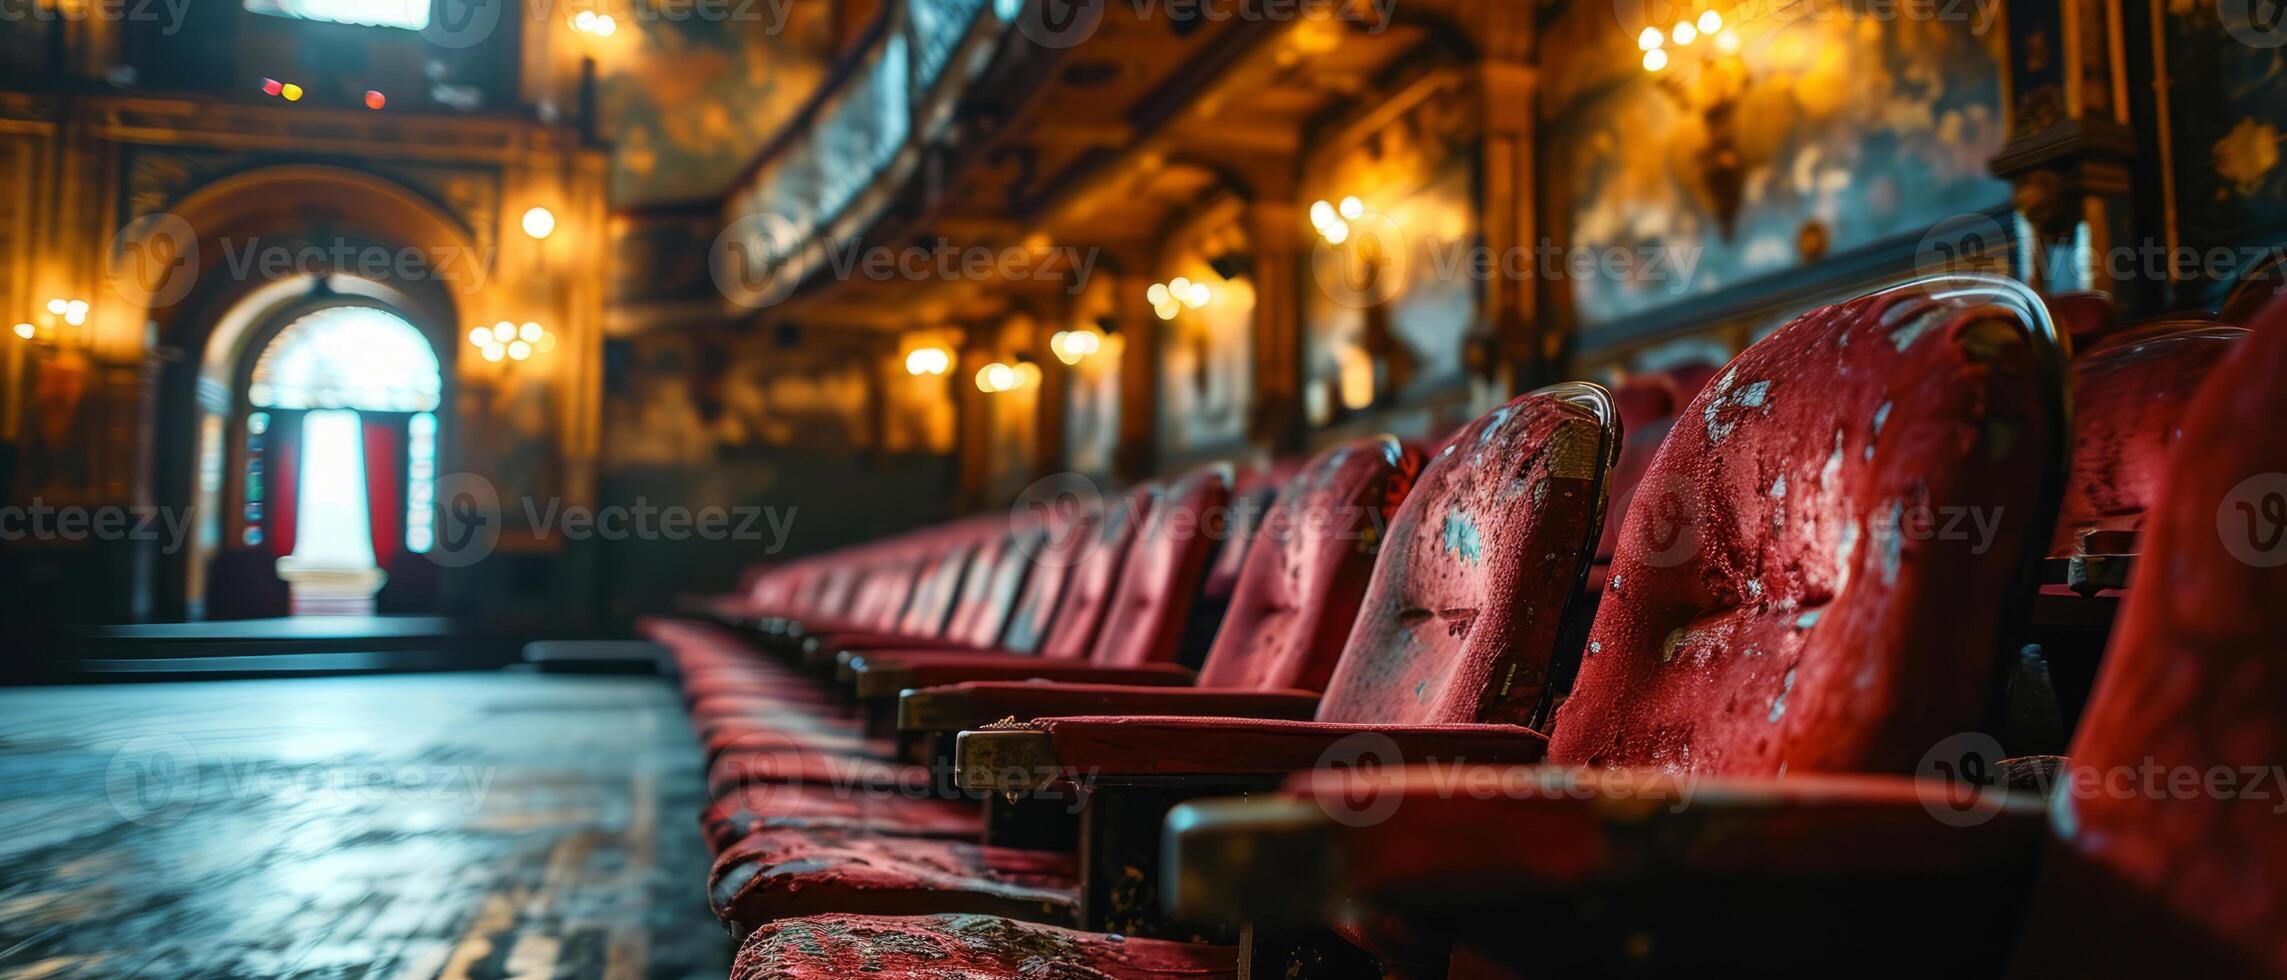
220,324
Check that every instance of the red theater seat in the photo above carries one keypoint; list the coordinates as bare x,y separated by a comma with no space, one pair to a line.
1480,567
2170,874
969,947
1857,652
1286,624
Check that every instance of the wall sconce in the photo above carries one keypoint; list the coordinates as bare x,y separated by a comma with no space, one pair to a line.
1171,297
931,361
49,327
1712,92
590,22
509,341
1333,220
1074,346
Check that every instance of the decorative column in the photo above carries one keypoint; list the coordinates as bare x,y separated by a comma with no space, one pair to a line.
2071,148
1276,225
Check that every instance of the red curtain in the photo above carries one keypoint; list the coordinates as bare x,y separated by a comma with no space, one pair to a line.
282,474
385,483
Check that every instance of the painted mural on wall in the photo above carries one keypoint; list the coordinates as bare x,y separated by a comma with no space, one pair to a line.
2228,110
1812,131
1368,343
689,103
676,400
1207,352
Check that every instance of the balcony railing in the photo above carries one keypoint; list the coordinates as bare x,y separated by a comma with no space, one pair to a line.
829,172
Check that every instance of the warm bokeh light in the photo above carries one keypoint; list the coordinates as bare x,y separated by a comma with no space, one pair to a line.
928,361
375,100
529,333
1710,22
1655,59
291,92
503,332
539,222
519,350
1651,38
272,86
995,377
1321,214
1685,33
25,331
1727,42
1353,208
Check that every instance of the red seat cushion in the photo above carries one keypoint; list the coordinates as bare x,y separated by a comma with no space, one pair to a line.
2128,406
1774,603
760,807
782,873
964,947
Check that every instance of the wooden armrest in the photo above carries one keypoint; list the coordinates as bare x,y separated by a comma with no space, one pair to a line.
1052,751
975,704
1428,840
876,679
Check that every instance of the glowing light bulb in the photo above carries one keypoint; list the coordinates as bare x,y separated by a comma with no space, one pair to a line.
584,21
519,350
480,336
1651,39
1727,42
58,306
539,222
529,333
1167,310
1655,59
503,332
1321,214
291,92
1352,208
1684,33
1197,296
605,26
272,86
1710,22
1026,374
375,100
1158,291
995,377
1336,233
494,352
25,331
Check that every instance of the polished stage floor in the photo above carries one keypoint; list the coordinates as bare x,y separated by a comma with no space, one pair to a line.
435,825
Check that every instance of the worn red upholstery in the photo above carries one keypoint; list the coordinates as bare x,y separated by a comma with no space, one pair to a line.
1774,605
783,873
964,947
1461,621
758,807
1458,626
1145,618
1299,591
2129,399
2146,875
1286,623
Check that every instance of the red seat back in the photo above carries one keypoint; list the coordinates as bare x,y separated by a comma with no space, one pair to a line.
1307,570
1818,567
1483,561
2156,870
1090,571
939,582
1145,620
2129,397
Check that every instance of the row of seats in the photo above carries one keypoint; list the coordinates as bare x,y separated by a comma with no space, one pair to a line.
1175,733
